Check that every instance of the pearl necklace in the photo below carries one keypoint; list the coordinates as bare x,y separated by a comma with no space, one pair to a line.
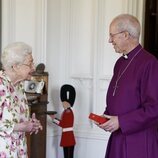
120,75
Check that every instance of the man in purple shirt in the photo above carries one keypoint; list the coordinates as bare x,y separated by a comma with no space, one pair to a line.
132,97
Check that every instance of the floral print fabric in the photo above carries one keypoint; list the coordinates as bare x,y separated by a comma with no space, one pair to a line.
13,109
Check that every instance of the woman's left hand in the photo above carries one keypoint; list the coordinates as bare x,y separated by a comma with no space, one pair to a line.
36,124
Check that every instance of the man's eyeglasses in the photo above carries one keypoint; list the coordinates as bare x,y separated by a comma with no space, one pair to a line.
114,34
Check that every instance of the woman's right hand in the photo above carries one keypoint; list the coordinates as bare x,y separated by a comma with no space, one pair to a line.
31,126
26,126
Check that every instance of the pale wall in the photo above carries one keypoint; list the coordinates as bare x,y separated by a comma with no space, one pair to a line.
71,38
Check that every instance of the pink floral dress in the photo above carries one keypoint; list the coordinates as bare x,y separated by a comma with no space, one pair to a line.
13,109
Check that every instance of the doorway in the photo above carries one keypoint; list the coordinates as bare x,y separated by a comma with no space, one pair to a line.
151,27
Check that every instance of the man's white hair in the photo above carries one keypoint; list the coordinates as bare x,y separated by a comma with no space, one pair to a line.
129,23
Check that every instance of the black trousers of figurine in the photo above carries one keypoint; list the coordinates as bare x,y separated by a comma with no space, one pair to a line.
68,152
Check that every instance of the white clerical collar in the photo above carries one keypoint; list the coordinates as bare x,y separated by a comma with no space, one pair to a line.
125,56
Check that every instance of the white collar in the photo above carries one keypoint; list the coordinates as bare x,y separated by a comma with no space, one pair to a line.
125,56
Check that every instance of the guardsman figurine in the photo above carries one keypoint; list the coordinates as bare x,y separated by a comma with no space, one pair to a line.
67,96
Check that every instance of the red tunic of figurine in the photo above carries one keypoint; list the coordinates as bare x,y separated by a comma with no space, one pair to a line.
66,122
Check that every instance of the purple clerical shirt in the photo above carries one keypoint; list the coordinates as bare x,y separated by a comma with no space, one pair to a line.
134,99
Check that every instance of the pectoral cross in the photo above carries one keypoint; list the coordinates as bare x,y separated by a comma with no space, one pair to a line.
115,87
121,73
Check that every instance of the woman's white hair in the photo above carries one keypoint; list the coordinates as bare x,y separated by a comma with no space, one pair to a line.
129,23
15,53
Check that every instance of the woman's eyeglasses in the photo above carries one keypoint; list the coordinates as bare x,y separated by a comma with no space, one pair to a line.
29,65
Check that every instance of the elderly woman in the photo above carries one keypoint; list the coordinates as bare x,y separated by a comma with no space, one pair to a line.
17,65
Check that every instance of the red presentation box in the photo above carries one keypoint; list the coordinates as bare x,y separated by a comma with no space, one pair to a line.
97,118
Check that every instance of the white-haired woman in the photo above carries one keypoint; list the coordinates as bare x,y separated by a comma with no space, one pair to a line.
17,62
